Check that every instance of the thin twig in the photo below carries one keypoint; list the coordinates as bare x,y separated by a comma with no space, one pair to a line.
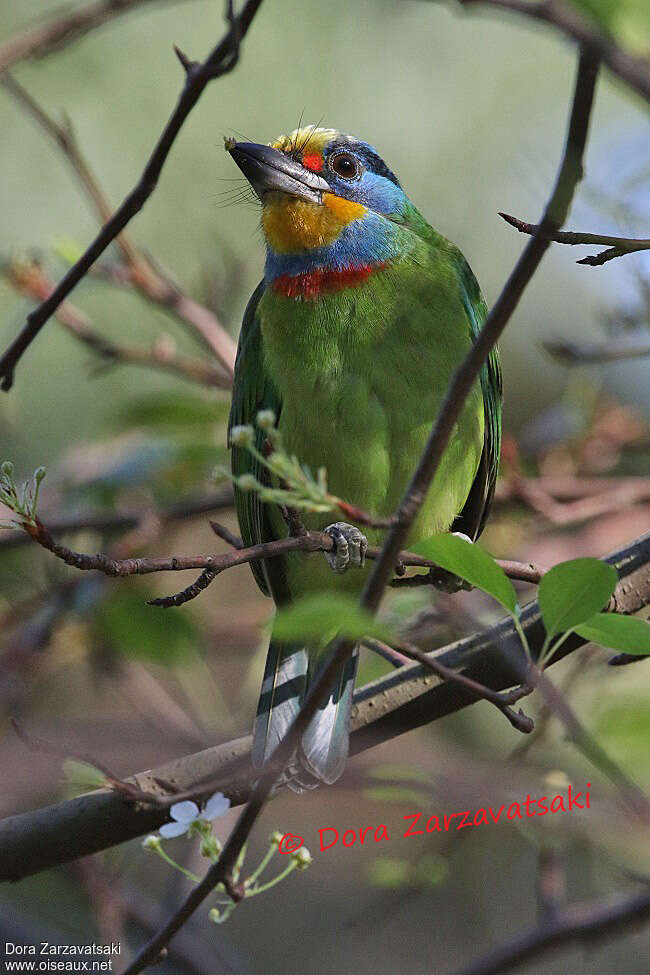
575,354
579,922
588,745
220,61
126,789
478,691
618,246
138,271
632,70
29,278
223,532
47,36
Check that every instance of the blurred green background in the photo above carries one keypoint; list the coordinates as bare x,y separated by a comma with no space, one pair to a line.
470,112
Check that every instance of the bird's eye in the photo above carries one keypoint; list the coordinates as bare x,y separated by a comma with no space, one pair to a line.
345,165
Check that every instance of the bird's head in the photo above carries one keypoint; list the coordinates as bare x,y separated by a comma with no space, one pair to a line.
328,200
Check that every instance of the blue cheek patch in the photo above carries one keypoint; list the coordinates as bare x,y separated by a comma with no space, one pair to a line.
377,193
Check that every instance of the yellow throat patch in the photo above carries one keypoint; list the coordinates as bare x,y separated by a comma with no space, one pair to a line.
292,225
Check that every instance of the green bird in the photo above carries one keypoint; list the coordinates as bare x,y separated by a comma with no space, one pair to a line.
351,339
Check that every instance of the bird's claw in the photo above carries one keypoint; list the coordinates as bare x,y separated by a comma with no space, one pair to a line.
449,582
350,547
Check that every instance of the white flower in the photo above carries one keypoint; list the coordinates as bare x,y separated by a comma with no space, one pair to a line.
187,813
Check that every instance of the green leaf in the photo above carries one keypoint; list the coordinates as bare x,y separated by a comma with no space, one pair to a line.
321,617
571,592
471,563
627,634
82,774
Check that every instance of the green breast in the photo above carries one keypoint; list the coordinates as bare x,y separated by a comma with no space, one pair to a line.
362,373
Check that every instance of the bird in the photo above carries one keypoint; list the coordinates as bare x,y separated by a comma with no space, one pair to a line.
351,339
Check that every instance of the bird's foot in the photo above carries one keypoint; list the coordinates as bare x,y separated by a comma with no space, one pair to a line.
350,546
449,582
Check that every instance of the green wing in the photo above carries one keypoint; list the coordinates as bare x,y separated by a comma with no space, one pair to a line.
253,391
473,516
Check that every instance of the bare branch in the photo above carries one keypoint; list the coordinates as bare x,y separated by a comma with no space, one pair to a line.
191,592
221,60
138,271
309,541
578,922
577,354
503,702
29,278
51,35
634,71
405,699
618,246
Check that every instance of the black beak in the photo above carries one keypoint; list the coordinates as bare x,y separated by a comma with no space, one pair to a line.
269,170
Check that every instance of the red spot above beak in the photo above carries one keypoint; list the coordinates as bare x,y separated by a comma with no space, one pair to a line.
313,161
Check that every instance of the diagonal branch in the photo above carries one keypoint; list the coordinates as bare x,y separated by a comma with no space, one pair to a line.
29,278
137,271
578,922
405,699
51,35
634,71
219,62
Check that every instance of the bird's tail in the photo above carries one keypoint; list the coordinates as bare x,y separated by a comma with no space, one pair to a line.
323,750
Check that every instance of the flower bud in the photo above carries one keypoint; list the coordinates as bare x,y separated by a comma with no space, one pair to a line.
266,419
302,858
247,482
242,436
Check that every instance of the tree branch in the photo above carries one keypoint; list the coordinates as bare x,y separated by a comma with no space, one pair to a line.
577,354
29,279
634,71
138,270
310,541
51,35
577,922
220,61
618,246
405,699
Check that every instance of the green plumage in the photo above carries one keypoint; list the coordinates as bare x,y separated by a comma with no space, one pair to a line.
357,378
